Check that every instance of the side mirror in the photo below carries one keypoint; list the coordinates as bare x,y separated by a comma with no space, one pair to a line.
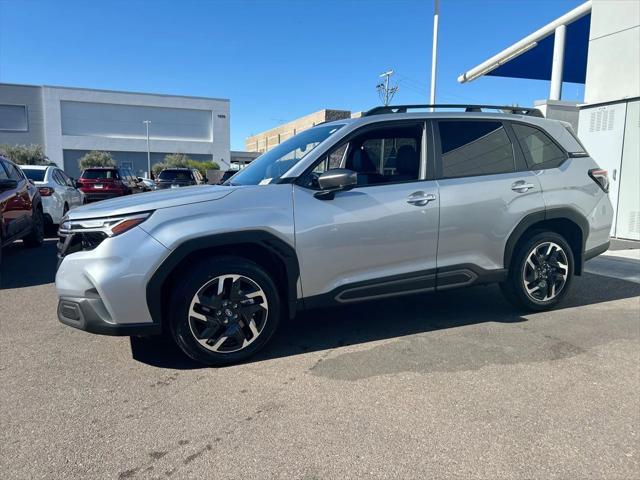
336,180
8,184
78,184
139,179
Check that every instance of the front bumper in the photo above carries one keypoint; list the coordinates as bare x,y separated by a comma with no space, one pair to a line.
104,290
90,315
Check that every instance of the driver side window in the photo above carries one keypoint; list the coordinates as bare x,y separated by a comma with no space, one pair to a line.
390,154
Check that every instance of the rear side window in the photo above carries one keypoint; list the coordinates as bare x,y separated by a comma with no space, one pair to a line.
58,178
471,148
539,150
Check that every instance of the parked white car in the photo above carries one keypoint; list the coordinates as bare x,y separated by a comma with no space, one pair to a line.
58,191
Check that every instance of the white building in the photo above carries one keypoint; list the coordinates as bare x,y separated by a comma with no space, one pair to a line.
69,122
597,44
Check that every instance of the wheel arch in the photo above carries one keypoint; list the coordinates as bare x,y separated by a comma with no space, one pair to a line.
568,222
270,252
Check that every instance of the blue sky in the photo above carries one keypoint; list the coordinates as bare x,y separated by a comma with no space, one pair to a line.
275,60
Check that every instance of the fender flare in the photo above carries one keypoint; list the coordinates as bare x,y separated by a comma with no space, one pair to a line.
564,213
278,247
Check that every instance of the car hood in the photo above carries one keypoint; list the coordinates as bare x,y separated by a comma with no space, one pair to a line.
155,200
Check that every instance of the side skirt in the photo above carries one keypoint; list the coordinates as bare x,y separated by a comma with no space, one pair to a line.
446,278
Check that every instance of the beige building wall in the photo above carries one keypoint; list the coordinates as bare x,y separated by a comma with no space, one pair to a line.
267,140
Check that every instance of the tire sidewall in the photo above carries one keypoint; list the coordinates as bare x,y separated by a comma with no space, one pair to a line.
197,277
522,254
35,238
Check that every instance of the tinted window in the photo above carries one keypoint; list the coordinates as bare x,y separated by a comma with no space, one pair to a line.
3,172
58,178
102,173
35,174
175,175
66,178
539,150
13,171
475,148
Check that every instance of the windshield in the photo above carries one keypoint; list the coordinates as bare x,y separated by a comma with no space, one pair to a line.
270,166
94,174
35,174
175,175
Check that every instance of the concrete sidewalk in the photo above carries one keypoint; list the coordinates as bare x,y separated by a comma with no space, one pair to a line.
618,263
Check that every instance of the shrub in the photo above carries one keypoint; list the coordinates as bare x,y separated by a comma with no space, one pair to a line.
181,160
25,154
96,159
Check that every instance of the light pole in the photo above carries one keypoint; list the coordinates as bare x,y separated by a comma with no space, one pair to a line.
147,123
434,52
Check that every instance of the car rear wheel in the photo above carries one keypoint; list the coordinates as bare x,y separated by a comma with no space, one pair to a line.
540,273
225,312
36,236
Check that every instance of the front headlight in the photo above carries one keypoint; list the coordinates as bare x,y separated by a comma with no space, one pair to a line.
79,235
110,226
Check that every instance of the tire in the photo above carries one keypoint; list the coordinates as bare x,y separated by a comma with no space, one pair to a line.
36,235
224,328
540,273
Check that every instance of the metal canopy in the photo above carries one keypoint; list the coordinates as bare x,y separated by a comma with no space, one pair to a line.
536,62
533,56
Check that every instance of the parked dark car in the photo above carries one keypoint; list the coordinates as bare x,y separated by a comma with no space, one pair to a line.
98,183
20,207
179,177
227,175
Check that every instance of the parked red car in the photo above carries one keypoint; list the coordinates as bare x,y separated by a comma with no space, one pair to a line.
20,207
100,183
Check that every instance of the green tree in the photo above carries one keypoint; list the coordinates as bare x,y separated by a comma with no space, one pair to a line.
24,154
96,158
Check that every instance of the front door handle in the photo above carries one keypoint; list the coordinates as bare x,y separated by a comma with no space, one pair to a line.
420,199
521,186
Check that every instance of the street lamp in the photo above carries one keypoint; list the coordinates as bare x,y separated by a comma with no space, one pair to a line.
147,123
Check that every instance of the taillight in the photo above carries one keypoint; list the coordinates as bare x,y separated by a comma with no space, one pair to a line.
601,178
45,191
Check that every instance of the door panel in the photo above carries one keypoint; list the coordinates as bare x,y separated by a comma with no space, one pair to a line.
16,204
477,215
492,193
364,234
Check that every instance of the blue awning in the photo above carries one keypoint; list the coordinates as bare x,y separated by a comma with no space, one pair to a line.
536,62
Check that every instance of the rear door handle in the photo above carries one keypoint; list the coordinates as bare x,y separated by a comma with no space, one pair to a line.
521,186
420,199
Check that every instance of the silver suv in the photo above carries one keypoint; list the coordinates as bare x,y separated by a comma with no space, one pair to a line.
392,203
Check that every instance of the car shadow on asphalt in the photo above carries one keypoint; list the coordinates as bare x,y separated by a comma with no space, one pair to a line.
27,267
336,327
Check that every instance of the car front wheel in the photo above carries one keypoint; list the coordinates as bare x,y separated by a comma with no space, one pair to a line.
225,311
540,272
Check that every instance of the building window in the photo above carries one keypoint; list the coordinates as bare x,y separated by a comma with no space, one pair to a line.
13,118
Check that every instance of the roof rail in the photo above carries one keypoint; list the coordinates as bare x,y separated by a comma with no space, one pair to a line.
534,112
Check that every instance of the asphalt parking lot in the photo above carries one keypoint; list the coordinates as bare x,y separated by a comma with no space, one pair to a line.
450,385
